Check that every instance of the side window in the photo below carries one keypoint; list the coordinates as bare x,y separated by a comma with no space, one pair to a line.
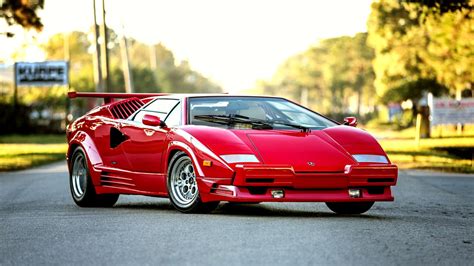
174,118
162,105
159,107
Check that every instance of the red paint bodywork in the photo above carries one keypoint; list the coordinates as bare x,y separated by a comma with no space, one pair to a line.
139,164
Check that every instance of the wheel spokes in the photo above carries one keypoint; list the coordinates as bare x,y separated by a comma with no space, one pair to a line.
79,176
183,183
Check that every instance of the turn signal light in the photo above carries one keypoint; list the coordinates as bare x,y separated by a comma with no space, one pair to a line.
207,163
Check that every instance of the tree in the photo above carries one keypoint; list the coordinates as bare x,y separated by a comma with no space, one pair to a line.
80,61
174,77
336,72
23,13
419,43
167,77
450,49
143,80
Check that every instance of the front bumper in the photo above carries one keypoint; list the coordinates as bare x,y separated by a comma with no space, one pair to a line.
255,183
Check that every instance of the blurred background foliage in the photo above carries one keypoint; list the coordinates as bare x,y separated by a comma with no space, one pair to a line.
337,74
22,13
43,109
412,47
169,76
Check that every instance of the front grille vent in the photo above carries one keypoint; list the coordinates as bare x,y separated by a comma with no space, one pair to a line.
259,180
379,180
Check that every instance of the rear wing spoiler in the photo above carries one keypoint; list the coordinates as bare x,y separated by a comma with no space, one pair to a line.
110,97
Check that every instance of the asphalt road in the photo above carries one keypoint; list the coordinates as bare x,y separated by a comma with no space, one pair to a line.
431,222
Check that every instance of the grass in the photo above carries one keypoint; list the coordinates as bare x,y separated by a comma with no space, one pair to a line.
451,153
36,139
25,151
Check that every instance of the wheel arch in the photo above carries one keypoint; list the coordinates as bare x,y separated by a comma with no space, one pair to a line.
83,140
217,169
72,147
176,147
171,154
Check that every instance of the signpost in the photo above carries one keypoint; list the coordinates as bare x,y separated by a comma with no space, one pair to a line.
447,111
40,74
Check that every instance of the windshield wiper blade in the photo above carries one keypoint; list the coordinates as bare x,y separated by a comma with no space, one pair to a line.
233,119
236,118
303,128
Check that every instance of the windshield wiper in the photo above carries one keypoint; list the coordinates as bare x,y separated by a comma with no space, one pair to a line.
235,118
303,128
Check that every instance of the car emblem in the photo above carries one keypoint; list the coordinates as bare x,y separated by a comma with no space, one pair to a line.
149,132
311,164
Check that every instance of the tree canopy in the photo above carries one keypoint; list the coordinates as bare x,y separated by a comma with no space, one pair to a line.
168,76
334,71
420,43
412,47
21,12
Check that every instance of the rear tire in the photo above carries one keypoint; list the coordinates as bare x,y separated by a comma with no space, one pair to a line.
80,183
182,187
349,207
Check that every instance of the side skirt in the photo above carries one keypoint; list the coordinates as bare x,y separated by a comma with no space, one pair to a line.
117,181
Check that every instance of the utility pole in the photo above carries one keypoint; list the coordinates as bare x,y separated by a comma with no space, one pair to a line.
127,74
105,51
99,81
67,52
67,58
153,65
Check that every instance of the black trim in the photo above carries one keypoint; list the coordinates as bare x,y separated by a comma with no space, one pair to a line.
116,137
132,117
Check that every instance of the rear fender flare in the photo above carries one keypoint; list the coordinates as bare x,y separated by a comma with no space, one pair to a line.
83,140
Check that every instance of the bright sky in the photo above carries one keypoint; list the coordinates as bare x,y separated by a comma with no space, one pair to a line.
233,42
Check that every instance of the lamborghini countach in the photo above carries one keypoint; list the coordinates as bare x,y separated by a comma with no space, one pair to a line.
202,149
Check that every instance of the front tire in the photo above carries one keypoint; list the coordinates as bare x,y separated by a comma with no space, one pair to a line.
80,182
182,186
349,207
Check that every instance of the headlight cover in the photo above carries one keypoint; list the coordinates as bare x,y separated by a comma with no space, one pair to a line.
240,158
370,158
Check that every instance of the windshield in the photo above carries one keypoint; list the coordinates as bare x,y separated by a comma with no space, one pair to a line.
253,113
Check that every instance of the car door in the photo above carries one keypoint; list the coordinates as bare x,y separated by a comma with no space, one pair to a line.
145,144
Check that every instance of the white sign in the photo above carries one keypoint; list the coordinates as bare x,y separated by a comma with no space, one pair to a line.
41,73
446,111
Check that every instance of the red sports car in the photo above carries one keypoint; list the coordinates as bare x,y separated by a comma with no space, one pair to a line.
201,149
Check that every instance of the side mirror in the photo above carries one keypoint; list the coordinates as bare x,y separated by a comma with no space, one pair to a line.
350,121
154,121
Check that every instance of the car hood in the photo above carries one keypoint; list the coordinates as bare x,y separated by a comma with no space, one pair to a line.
316,151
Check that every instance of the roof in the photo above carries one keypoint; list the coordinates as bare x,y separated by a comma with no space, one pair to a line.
197,95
